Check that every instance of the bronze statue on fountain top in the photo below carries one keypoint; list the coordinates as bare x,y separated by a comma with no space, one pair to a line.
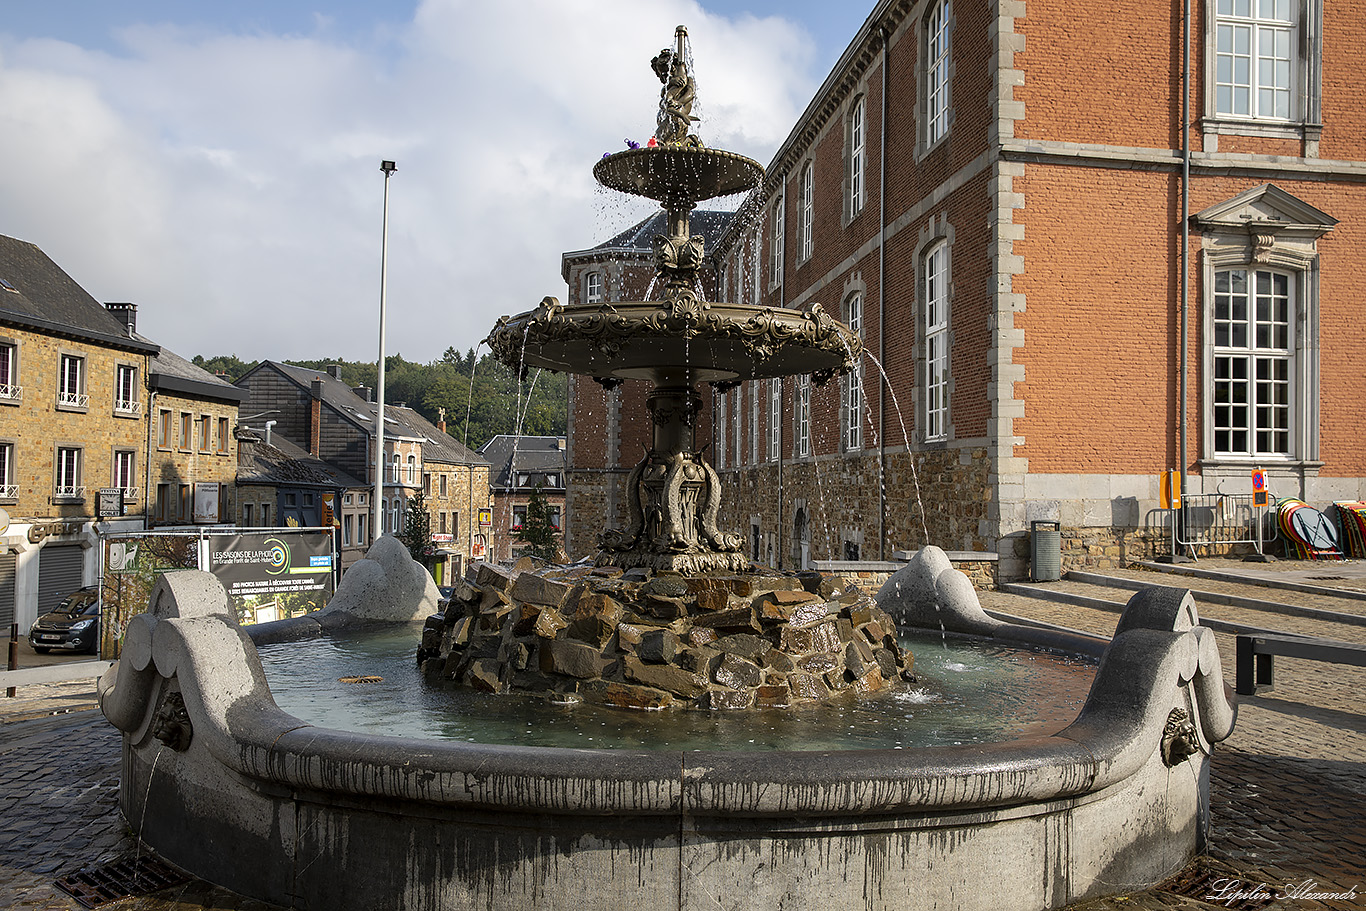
677,341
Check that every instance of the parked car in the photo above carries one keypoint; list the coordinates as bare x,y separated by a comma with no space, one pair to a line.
73,626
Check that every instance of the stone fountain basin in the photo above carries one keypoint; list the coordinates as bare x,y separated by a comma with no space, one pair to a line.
678,173
650,341
271,807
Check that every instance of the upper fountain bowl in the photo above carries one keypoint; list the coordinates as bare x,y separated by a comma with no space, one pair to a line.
678,173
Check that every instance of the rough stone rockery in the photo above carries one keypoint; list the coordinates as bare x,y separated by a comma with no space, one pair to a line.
645,641
676,341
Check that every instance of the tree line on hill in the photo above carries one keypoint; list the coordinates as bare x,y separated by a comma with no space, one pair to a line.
492,401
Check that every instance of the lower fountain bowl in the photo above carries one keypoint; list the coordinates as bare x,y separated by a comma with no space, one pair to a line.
223,783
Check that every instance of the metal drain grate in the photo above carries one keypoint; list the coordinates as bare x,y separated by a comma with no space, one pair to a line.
1221,888
122,878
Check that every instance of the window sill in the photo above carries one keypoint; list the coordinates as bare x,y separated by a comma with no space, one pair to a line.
74,409
127,415
1271,129
1229,464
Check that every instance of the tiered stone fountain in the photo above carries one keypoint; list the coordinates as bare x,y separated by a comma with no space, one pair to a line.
227,786
704,631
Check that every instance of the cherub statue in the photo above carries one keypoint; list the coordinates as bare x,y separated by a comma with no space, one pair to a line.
675,99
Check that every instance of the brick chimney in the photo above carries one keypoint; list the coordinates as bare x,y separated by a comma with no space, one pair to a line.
125,313
441,419
315,419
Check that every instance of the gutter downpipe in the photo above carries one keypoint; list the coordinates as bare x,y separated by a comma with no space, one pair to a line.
882,312
782,389
1185,247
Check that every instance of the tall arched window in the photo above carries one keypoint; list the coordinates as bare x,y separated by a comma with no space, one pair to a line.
808,197
412,469
935,268
857,157
937,60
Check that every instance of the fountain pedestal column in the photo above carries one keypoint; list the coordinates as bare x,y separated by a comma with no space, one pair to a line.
673,496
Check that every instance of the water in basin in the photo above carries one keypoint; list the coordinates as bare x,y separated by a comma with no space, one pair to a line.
965,693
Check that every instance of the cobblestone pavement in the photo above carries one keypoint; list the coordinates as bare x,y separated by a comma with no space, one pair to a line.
1288,789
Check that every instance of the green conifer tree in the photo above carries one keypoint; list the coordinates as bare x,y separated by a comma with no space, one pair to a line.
538,533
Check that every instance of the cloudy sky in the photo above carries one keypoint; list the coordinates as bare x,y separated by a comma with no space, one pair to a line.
217,163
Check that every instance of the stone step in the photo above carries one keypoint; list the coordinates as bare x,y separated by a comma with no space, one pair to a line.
1259,580
1225,598
1067,593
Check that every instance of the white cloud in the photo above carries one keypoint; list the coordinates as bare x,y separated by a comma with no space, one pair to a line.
230,184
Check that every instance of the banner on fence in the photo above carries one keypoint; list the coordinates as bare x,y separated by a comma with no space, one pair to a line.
293,571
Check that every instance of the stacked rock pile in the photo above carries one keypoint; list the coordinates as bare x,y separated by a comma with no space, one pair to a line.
634,640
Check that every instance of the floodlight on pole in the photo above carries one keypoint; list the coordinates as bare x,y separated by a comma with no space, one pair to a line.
388,167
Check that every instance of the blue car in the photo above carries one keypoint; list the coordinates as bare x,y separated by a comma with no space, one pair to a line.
74,626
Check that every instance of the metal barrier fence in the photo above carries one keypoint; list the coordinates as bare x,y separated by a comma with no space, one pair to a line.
1218,518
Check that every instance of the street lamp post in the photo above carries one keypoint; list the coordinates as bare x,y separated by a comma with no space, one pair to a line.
388,167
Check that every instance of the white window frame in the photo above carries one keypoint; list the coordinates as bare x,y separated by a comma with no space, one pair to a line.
738,419
1252,387
8,489
801,444
10,390
807,184
593,288
412,469
722,424
775,418
936,296
397,471
938,64
71,382
852,387
775,243
67,472
857,156
124,472
126,398
1256,59
754,422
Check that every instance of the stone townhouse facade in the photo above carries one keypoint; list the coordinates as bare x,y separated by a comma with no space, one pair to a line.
78,453
192,444
318,412
520,465
1067,280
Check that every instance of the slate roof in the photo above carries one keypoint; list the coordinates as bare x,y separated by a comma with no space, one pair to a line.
282,463
169,372
534,454
37,294
638,240
398,421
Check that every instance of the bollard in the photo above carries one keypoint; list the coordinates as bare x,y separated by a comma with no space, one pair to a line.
13,655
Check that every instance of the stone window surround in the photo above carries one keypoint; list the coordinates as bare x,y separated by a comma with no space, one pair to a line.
165,429
14,391
7,471
773,432
130,491
130,408
1265,227
937,231
851,438
589,295
185,434
1307,122
78,477
923,143
79,400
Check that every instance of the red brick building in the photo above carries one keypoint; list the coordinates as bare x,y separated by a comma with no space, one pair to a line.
1008,205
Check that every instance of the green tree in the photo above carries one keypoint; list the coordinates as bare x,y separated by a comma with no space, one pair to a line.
417,531
538,533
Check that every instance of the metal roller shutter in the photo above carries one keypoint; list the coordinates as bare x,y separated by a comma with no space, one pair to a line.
61,570
7,609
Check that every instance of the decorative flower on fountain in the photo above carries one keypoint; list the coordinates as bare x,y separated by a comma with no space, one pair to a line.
677,341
